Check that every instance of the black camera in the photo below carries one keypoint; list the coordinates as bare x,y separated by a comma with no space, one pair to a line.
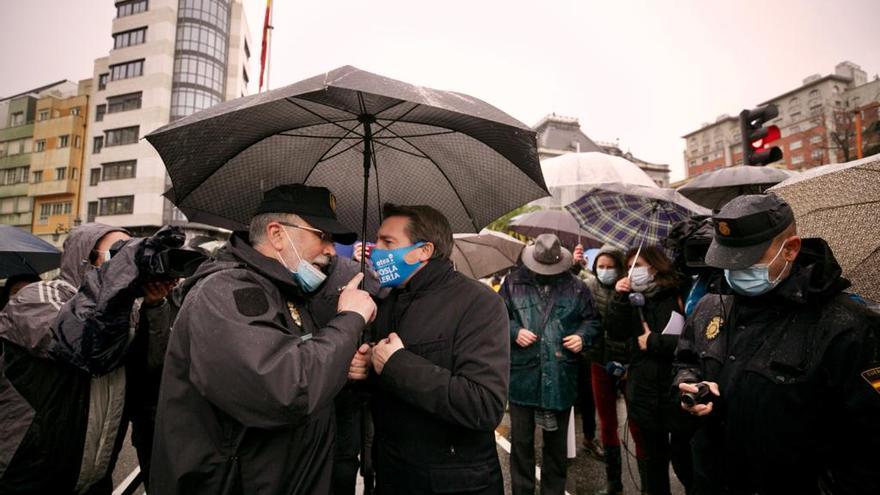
702,396
690,239
163,256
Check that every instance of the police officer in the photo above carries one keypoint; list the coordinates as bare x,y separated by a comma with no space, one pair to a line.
790,363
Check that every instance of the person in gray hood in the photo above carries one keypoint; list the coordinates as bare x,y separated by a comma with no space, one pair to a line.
253,366
63,385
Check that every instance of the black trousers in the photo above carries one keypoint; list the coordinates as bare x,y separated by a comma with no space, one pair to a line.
661,447
585,398
348,443
522,455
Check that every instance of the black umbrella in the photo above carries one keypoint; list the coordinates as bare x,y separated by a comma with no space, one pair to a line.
22,252
369,139
714,189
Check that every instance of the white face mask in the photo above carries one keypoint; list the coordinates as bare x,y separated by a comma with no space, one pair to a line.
606,275
306,275
641,279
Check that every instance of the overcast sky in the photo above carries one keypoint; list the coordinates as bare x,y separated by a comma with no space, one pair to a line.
644,72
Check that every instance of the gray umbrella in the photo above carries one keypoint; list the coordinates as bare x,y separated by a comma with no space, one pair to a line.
714,189
369,139
841,204
558,222
481,255
22,252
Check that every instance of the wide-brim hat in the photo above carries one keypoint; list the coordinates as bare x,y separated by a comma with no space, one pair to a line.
547,256
744,229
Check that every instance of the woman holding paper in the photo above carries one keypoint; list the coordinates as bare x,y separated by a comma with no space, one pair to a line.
647,308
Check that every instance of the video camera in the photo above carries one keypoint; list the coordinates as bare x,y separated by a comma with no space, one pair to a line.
163,256
702,396
690,240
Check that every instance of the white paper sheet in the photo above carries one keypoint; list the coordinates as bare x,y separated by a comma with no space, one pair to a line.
675,325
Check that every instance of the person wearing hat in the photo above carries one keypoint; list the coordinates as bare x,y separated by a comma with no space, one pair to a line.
552,320
261,346
789,361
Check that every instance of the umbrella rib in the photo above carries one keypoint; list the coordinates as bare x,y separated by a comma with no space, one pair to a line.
325,157
395,148
443,173
325,119
427,134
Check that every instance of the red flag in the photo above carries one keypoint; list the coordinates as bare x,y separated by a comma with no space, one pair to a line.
264,43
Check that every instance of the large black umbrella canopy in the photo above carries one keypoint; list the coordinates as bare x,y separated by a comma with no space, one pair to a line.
715,189
22,252
447,150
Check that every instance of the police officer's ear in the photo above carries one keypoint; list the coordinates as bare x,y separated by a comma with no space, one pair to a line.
792,248
275,236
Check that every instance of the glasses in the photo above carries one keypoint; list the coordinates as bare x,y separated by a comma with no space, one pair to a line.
324,236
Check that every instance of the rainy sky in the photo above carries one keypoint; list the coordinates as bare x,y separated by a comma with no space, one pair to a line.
641,72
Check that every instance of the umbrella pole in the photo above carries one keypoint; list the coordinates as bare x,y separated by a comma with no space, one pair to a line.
367,120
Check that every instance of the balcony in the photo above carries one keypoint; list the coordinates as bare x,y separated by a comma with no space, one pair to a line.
52,187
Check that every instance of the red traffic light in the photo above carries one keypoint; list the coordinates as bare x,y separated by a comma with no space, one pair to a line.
764,136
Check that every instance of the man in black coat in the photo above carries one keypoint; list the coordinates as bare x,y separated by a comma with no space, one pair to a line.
441,365
253,365
791,363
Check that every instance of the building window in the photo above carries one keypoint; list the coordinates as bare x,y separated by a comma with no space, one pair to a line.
797,159
247,50
815,139
121,103
63,141
45,211
245,76
77,142
213,12
60,173
100,110
73,173
44,115
187,101
127,70
817,155
124,135
74,111
130,38
17,118
795,145
203,39
119,205
40,145
94,176
12,176
92,211
795,115
102,81
97,144
37,177
131,7
201,71
119,170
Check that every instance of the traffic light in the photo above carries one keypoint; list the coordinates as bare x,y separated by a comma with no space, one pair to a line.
756,138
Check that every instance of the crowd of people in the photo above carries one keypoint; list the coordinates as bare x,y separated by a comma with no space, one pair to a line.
280,367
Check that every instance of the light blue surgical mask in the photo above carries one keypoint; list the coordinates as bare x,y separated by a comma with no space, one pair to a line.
754,280
306,275
392,267
606,275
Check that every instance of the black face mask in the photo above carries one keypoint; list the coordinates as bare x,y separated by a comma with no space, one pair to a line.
545,279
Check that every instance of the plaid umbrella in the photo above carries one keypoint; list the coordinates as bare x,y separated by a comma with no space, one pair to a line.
625,215
841,204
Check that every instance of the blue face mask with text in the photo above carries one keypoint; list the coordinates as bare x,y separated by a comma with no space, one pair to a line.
391,266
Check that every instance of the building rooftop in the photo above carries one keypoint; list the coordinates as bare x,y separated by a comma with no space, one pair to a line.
35,90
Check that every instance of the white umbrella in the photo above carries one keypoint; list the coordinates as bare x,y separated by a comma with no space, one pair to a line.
569,176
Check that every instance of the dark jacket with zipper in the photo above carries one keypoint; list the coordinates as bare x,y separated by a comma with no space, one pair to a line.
794,367
437,402
649,398
246,402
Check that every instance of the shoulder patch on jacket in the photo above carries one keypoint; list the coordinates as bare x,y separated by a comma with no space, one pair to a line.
250,301
872,376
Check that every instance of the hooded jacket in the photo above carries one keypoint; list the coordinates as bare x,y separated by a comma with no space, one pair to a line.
545,374
799,372
605,348
62,412
246,403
